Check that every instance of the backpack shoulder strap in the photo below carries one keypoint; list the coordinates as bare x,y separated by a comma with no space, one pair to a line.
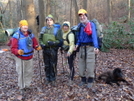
30,33
56,28
43,30
16,35
67,36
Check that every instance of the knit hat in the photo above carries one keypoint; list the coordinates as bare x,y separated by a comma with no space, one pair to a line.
66,23
49,16
82,11
23,23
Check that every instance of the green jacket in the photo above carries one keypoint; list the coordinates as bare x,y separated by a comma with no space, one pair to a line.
50,34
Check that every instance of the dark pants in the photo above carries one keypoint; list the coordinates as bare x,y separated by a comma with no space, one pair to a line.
71,65
50,60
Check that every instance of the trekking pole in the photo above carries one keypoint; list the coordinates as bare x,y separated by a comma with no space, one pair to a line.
40,69
95,67
62,63
67,65
22,91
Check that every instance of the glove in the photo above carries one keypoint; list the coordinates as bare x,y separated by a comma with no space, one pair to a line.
38,48
51,43
20,52
43,46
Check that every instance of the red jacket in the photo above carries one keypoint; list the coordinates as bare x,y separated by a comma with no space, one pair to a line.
14,48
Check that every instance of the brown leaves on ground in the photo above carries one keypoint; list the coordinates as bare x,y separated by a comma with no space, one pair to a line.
100,91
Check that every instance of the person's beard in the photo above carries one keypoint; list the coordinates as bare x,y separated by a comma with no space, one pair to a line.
84,21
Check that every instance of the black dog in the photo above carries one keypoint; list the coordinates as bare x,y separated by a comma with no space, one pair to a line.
114,76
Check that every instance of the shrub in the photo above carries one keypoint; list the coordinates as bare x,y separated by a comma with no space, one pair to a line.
3,37
117,36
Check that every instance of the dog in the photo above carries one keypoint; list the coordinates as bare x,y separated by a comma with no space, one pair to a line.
114,76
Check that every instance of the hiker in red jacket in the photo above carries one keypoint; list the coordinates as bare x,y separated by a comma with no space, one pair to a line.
22,46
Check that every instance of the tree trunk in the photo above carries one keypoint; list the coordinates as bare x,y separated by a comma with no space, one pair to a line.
2,11
41,14
129,7
29,15
90,14
19,15
85,4
23,9
11,16
48,7
65,17
76,10
109,11
71,13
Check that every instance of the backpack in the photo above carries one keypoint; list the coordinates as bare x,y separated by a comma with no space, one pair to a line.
11,32
74,30
99,32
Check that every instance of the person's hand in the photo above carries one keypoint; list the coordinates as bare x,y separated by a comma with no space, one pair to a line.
51,43
38,48
20,52
43,46
96,50
75,48
68,54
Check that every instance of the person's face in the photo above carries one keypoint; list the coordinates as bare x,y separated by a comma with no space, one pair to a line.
50,22
65,28
83,18
24,28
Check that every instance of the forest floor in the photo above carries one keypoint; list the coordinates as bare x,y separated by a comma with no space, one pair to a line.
124,59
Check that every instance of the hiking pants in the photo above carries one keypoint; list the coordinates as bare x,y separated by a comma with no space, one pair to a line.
24,69
86,62
71,65
50,61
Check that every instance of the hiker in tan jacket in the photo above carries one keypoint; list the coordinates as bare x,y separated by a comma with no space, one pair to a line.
68,47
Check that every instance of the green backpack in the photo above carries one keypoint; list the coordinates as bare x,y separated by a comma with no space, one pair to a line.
99,32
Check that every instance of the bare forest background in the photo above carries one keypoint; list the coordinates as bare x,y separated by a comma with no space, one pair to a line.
117,51
12,11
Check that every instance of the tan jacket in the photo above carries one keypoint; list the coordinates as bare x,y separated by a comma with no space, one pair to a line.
70,38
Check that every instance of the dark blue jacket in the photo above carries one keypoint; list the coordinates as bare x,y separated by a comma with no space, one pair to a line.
83,38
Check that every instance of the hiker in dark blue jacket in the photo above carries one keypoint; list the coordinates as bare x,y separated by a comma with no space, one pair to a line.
88,43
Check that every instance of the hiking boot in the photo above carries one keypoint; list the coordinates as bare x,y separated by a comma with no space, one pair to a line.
89,85
27,88
90,82
22,91
47,82
83,81
70,82
53,83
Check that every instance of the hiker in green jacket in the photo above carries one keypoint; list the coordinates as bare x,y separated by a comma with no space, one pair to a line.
50,44
68,47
